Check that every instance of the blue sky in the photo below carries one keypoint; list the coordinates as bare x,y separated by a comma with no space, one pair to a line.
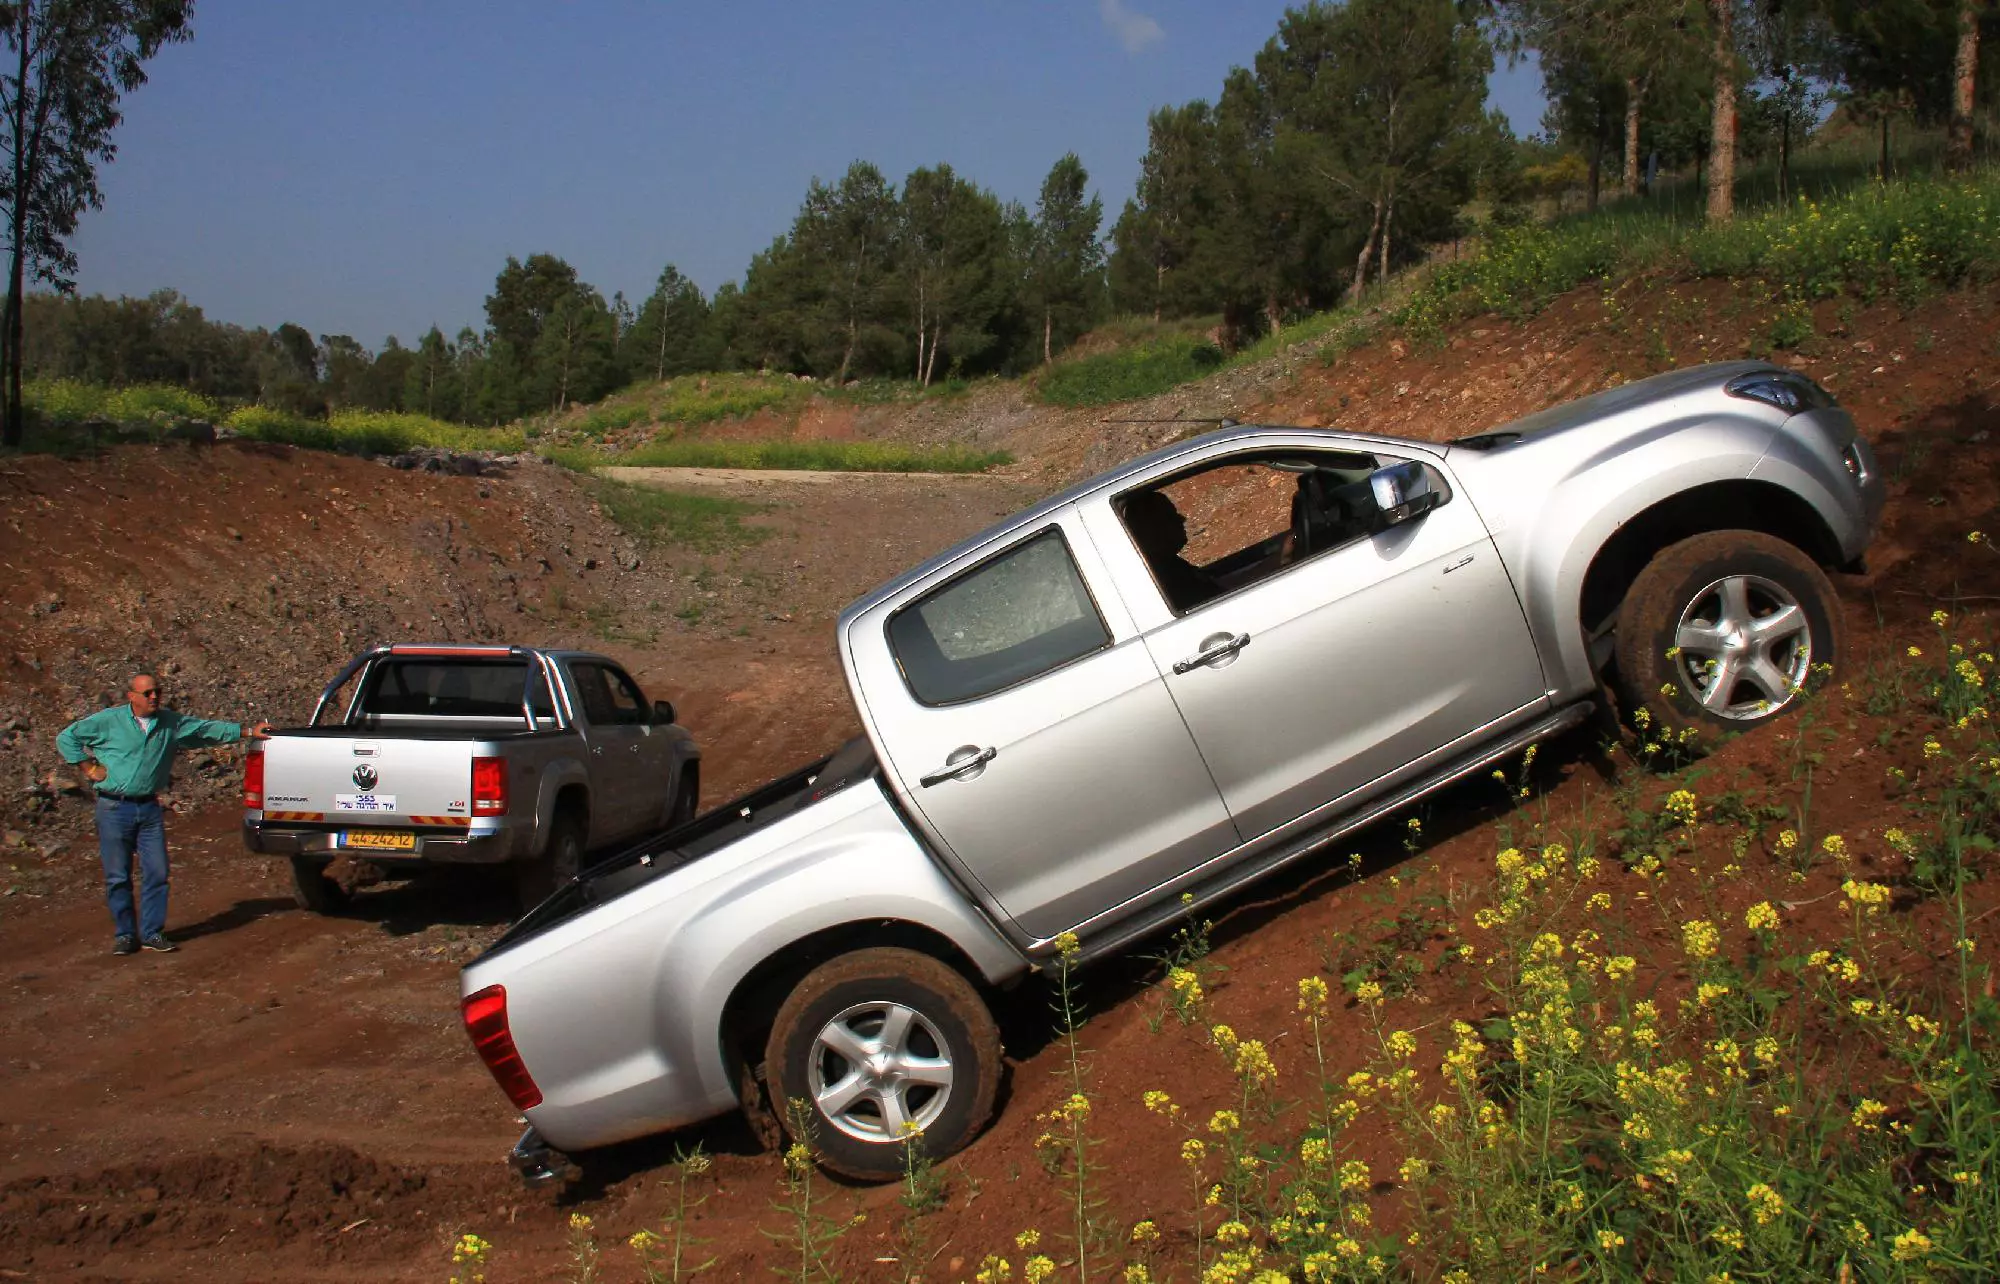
366,166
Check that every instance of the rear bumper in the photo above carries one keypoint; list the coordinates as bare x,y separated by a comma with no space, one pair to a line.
442,847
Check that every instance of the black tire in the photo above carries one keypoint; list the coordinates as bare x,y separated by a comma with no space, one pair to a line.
1765,658
947,1025
687,800
313,890
537,880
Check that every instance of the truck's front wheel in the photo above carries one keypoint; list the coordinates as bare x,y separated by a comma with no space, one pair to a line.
313,890
880,1045
1722,631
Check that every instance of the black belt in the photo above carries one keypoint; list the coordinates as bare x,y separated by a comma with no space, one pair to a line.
137,798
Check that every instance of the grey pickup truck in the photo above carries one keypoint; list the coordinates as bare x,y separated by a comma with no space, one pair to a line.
502,755
1163,683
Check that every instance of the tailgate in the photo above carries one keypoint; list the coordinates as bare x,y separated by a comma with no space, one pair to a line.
371,781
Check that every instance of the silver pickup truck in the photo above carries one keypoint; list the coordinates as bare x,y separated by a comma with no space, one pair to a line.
1159,684
503,755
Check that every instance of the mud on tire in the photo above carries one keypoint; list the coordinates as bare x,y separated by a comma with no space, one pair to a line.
877,1037
1721,632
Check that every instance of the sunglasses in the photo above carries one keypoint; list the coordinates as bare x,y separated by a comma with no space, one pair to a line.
149,691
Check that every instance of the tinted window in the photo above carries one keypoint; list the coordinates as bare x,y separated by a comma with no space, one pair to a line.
610,699
1009,619
445,688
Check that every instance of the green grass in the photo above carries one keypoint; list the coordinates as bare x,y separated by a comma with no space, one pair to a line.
1903,238
704,523
368,432
1144,369
689,401
823,456
60,409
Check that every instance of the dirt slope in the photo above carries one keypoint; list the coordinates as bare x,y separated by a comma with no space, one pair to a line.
290,1097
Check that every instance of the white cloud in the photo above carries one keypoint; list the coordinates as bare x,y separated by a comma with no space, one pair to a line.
1134,30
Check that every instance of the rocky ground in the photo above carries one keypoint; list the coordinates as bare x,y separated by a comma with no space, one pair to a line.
291,1096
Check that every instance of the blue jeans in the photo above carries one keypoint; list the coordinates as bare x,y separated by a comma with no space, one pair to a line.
125,828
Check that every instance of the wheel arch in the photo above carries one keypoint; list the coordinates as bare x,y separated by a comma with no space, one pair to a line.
747,1015
1723,505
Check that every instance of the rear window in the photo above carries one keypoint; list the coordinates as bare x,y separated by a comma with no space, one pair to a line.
439,688
1009,619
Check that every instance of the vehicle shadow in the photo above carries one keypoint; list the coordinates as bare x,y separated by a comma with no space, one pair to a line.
605,1168
444,896
1027,1014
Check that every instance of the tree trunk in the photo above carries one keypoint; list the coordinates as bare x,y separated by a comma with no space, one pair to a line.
847,357
1885,145
1722,121
1048,332
1958,142
660,359
1596,158
11,424
1388,218
1361,263
1785,154
1159,287
1635,91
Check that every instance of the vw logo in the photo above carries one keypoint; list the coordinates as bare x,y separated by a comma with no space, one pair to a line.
365,778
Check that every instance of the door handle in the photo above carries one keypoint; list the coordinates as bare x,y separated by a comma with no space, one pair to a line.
1460,564
957,768
1230,645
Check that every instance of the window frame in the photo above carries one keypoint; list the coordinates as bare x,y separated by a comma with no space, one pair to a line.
1257,454
933,591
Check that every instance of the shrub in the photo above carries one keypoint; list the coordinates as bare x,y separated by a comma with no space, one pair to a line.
826,456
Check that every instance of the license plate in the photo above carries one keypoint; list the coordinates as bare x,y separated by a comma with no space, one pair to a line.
379,840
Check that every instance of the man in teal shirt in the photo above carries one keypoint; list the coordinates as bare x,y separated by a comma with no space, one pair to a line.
127,753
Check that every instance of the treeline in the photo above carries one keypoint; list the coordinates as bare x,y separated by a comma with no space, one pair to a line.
938,278
1354,142
1357,136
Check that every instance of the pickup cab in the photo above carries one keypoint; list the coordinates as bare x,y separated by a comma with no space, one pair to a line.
498,755
1145,692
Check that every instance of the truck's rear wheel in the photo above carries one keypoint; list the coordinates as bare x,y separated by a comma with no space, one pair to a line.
875,1042
1721,632
313,890
537,880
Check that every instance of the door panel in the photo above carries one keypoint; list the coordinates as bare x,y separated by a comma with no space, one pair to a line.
619,794
1337,671
1093,792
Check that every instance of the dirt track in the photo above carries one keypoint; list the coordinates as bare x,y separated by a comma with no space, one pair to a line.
291,1097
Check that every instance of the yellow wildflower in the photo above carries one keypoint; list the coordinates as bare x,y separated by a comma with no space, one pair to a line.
1700,939
1766,1205
1762,917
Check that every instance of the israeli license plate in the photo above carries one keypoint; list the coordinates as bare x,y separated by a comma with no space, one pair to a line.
379,840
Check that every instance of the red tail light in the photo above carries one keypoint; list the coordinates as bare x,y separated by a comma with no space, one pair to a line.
486,1021
253,778
489,786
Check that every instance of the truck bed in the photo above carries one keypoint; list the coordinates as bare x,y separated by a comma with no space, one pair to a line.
671,849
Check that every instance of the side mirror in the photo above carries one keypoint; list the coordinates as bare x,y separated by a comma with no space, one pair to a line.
663,712
1403,492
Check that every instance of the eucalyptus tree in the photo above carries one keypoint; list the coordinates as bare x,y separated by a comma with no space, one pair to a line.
71,62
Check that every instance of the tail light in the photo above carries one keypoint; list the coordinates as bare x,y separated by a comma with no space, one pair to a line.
489,786
253,778
486,1021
